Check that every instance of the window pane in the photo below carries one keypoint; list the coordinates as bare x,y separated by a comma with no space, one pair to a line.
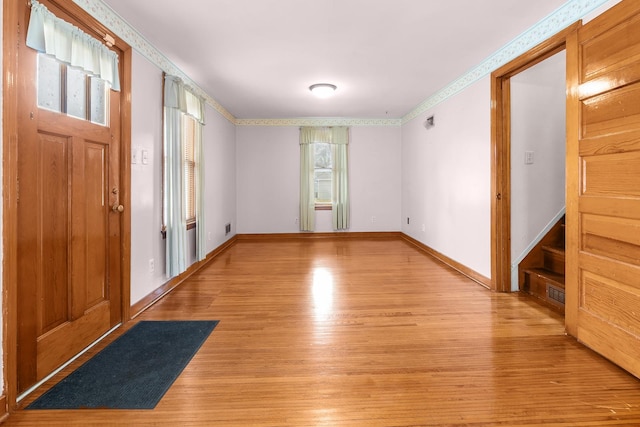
49,76
322,185
76,93
322,155
322,173
189,168
99,100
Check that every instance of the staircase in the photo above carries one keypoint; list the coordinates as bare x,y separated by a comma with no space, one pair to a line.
541,273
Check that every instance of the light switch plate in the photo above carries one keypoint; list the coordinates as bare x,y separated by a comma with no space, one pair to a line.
528,157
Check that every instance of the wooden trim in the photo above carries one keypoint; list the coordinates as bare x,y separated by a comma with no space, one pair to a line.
4,412
125,179
11,30
466,271
572,236
501,153
311,235
500,188
88,23
155,296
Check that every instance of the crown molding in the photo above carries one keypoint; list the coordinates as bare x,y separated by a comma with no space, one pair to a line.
319,121
103,13
563,17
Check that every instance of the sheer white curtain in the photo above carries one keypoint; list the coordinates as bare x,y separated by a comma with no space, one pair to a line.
178,101
340,178
174,216
51,35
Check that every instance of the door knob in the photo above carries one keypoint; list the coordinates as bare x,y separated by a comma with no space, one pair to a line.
117,208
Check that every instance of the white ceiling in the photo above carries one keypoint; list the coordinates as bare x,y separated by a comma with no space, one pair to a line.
258,57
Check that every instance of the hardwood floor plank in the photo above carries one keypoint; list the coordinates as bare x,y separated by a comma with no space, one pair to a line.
366,332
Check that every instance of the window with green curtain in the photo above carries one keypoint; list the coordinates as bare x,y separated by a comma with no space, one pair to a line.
324,175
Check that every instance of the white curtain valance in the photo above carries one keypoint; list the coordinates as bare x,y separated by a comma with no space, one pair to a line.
179,96
51,35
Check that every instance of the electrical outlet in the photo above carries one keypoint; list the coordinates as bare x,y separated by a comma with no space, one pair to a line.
152,265
373,219
134,156
297,220
209,235
423,227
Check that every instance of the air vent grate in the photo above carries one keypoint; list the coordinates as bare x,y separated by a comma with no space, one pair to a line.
555,293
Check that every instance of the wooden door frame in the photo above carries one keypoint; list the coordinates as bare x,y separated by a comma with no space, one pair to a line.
501,153
11,33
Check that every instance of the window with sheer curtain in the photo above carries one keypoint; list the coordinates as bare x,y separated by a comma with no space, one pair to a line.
69,45
324,175
75,71
183,183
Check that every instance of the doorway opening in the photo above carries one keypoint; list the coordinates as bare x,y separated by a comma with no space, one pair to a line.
501,162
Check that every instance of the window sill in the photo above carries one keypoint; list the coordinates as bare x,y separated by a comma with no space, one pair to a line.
323,207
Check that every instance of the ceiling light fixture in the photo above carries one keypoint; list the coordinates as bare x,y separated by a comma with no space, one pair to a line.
322,90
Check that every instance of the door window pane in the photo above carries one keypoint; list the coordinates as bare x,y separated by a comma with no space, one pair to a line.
49,76
76,93
72,91
99,101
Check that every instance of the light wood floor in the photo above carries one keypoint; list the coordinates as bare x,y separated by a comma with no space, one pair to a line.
368,333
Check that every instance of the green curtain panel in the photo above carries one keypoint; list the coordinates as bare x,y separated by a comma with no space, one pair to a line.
340,183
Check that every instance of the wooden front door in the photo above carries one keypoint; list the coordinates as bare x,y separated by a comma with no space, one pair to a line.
69,237
603,210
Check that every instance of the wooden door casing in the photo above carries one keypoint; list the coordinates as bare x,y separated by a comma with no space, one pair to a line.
603,209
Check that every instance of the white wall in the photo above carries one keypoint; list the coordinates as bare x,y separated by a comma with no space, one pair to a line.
446,172
268,168
219,147
538,111
146,180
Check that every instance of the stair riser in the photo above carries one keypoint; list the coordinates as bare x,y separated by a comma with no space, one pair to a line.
554,261
545,289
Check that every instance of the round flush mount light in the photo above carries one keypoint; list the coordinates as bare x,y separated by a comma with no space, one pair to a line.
322,90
